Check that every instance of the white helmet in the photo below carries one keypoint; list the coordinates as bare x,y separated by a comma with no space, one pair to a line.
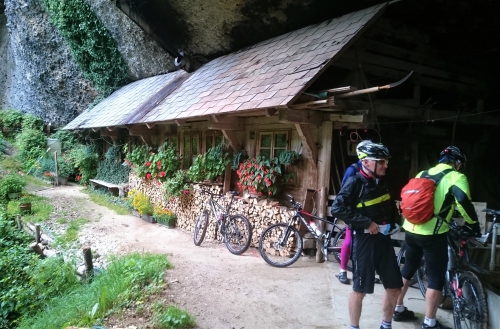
362,155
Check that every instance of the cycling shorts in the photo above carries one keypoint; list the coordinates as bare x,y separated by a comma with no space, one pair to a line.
372,253
434,249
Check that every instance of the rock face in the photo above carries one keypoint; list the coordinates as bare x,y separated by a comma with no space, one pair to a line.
38,74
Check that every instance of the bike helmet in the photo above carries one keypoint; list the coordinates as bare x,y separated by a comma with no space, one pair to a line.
452,153
373,150
360,154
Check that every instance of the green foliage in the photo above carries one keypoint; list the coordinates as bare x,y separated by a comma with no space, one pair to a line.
91,44
12,183
16,263
261,175
40,209
176,184
126,279
85,158
113,153
119,205
67,139
288,157
71,233
237,157
172,318
161,163
164,215
65,167
31,145
31,122
112,172
10,120
209,165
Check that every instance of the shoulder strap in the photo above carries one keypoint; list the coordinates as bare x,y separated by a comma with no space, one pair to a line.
356,167
437,177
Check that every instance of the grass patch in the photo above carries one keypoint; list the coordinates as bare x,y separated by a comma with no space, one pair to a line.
127,279
71,233
172,317
40,209
116,204
10,164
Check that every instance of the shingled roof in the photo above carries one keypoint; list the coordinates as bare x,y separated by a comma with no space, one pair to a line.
269,74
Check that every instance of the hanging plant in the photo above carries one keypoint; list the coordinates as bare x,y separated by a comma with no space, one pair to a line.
209,165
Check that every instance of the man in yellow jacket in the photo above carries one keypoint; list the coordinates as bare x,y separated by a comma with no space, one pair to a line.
430,239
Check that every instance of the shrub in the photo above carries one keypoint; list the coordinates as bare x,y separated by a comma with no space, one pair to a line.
161,163
31,145
140,201
12,183
11,120
31,122
67,139
85,158
176,184
209,165
65,167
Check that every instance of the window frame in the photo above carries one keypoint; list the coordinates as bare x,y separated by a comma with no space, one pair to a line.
272,149
190,135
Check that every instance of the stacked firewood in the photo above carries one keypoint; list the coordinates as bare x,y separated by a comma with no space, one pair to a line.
260,212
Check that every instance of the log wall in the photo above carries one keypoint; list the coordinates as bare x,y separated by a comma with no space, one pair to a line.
260,212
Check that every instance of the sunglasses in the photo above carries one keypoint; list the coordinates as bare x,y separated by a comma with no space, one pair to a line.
382,162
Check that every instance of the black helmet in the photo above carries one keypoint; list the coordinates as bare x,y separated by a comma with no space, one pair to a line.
373,150
453,153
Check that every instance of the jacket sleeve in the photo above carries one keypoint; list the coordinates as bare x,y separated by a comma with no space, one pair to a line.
349,172
344,206
460,190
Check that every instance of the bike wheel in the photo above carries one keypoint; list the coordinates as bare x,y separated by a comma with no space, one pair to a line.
200,228
422,279
401,263
337,243
280,245
237,234
470,310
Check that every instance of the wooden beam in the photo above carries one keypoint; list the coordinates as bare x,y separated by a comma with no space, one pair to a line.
349,117
180,122
270,112
96,129
305,134
226,123
138,130
420,114
300,116
150,125
232,139
110,133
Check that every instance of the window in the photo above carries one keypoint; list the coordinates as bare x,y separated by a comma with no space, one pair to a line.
213,139
172,140
191,149
272,144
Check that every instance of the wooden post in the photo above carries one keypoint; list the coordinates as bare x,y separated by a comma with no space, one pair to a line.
324,165
36,248
89,267
37,233
19,222
56,182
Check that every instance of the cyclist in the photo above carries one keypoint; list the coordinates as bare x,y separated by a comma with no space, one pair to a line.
346,246
364,203
429,239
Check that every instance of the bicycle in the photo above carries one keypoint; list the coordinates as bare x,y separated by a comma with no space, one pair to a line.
235,229
462,285
281,245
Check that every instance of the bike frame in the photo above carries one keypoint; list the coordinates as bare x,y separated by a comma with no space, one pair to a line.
216,209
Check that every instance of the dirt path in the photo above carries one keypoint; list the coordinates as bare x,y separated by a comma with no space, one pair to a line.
219,289
224,291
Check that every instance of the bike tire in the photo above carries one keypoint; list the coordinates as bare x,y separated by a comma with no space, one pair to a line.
338,242
200,228
280,245
237,234
471,309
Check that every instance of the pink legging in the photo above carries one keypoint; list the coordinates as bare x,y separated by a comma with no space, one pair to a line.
346,249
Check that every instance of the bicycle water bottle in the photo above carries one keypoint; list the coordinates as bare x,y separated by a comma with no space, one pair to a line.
315,228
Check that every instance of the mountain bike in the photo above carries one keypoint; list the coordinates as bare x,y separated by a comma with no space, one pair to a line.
281,245
470,309
235,229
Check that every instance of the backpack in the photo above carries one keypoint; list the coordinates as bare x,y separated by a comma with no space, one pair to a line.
417,197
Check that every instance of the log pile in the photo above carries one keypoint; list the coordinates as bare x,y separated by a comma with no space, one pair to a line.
260,212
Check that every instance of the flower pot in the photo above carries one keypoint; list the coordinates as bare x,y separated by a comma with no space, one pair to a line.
25,207
136,213
14,195
148,218
168,224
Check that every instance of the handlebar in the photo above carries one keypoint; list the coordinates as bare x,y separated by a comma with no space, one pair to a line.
462,232
294,203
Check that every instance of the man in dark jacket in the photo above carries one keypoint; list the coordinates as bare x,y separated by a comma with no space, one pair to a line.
364,203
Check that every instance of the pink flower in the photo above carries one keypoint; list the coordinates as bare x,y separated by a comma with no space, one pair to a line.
186,192
162,174
159,183
148,164
148,175
20,173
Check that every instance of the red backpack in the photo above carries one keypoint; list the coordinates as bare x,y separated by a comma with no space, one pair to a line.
417,197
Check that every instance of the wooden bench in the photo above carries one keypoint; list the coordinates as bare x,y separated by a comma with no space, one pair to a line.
113,188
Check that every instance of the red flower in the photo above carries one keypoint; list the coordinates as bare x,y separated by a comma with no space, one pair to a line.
148,175
270,193
291,180
148,164
78,177
159,183
162,174
158,164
